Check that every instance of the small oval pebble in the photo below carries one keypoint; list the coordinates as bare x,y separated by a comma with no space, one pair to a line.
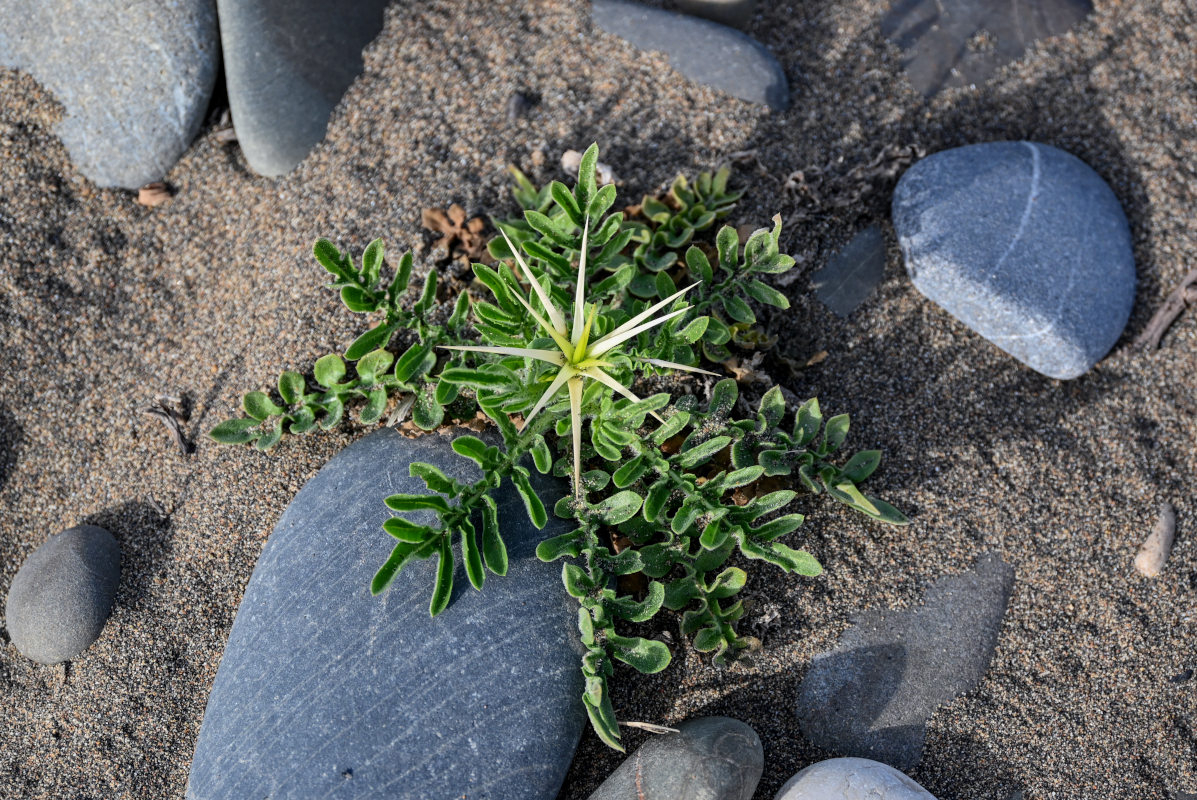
62,595
851,779
711,758
1155,550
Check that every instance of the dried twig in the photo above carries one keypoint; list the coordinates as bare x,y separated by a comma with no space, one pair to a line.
1183,295
650,727
171,411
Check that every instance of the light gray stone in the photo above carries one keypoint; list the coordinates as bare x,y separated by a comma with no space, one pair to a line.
851,274
287,64
62,594
1023,243
703,51
134,79
326,690
872,695
851,779
712,758
736,13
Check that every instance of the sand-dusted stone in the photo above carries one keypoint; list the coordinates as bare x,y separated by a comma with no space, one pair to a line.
851,779
134,79
325,690
711,758
705,52
950,43
852,273
61,596
1026,245
872,695
287,64
736,13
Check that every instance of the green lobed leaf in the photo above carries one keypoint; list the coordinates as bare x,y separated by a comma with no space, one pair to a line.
416,502
329,257
433,478
766,294
472,555
373,339
567,544
472,448
577,583
329,370
426,412
399,557
259,406
639,611
402,277
647,656
376,404
291,387
533,503
619,507
737,309
374,364
372,263
358,300
494,551
836,431
699,454
861,465
407,531
414,363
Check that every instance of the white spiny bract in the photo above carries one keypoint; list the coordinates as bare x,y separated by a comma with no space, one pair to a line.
577,357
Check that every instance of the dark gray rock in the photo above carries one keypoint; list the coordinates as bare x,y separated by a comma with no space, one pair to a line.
1023,243
851,779
325,690
852,273
950,43
703,51
133,79
736,13
872,695
62,594
287,64
712,758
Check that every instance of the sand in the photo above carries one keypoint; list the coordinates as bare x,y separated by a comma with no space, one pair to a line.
105,304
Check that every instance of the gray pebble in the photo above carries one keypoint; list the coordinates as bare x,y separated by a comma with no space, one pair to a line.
851,274
851,779
287,64
321,680
133,78
62,595
712,758
703,51
872,695
1024,244
736,13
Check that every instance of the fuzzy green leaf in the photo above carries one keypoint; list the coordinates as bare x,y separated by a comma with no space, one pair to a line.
644,655
737,309
766,294
402,276
577,583
773,407
836,431
433,478
472,448
426,412
471,555
399,557
372,262
329,257
235,431
619,507
533,503
444,579
374,364
373,339
655,500
642,611
701,453
416,502
291,386
414,363
494,551
406,531
376,404
861,465
358,300
328,370
541,455
567,544
259,406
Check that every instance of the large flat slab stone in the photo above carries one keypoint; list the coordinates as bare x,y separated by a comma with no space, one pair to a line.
134,79
1023,243
705,52
871,696
327,691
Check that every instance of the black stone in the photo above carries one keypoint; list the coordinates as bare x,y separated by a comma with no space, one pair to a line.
712,758
287,64
951,43
872,695
62,594
852,273
705,52
327,690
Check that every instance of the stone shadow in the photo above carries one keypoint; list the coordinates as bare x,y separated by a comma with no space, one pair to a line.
143,532
11,435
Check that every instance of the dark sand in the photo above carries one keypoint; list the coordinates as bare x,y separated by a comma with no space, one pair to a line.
105,304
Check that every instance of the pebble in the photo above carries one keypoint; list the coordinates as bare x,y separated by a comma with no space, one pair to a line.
951,43
62,594
320,680
703,51
871,695
1149,561
851,274
710,758
134,79
851,779
736,13
1023,243
287,64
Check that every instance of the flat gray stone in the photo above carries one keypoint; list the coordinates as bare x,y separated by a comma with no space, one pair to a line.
951,43
287,64
851,779
736,13
134,79
325,690
851,274
703,51
872,695
1024,244
712,758
61,596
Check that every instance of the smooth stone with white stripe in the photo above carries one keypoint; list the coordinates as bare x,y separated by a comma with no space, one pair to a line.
1023,243
327,691
851,779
